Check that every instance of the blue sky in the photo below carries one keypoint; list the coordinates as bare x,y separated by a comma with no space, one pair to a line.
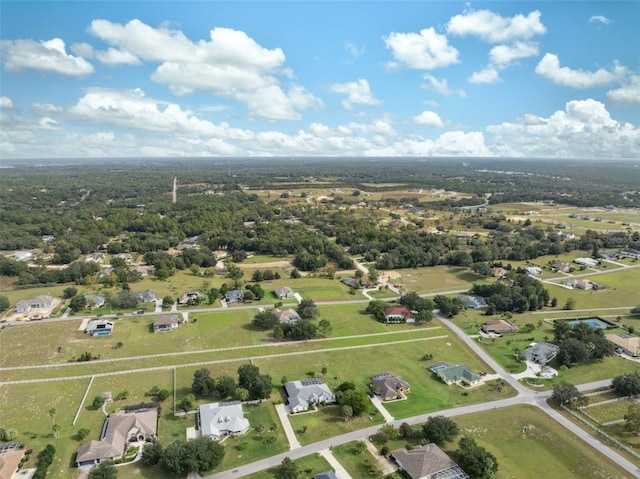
320,78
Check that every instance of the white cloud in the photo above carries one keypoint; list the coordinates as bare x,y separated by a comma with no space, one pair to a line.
383,128
440,86
628,94
46,109
503,55
549,67
47,56
6,103
114,56
357,92
485,76
494,28
600,19
354,50
230,64
428,118
426,50
583,130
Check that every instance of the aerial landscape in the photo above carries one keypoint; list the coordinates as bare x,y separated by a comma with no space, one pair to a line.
319,240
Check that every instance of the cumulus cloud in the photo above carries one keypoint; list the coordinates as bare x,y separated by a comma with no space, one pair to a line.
426,50
584,129
357,92
494,28
6,103
503,55
485,76
113,56
440,86
46,56
628,94
354,50
428,118
549,67
230,64
600,19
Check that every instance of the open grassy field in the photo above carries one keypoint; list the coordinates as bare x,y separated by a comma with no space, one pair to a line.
308,466
356,464
609,412
437,279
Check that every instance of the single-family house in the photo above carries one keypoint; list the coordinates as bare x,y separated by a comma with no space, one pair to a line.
287,316
39,302
190,296
541,352
95,300
147,296
533,270
561,266
94,258
499,326
126,257
588,262
303,394
631,252
99,327
22,255
390,386
352,282
625,343
234,296
47,238
399,314
123,427
221,419
165,323
10,462
498,272
326,475
284,292
609,256
460,374
464,235
427,462
473,302
144,269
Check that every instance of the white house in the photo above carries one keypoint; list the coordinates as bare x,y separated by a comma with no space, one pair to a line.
220,419
303,394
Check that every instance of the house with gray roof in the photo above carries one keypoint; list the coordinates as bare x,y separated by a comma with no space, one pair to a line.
427,462
541,352
39,302
234,296
391,387
460,374
221,419
303,394
473,302
95,300
99,327
284,292
287,316
122,428
326,475
147,296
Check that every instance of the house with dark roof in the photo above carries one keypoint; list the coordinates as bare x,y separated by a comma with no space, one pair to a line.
234,296
427,462
473,302
631,252
190,296
326,475
460,374
165,323
95,300
398,314
284,292
307,392
122,428
221,419
352,282
562,266
39,302
391,387
541,352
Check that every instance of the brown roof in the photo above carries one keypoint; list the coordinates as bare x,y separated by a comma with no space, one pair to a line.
389,386
121,426
9,462
398,310
165,320
422,461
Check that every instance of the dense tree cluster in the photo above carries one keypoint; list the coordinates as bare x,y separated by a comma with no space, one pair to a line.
517,292
476,460
258,385
627,384
566,394
200,455
45,459
580,344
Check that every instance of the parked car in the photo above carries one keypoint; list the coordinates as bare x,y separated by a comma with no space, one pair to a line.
138,311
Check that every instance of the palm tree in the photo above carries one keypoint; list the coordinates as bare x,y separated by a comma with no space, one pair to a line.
52,414
56,430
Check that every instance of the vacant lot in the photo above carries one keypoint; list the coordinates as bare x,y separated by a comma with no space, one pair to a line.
609,412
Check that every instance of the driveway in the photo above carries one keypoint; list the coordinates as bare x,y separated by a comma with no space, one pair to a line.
341,472
283,414
377,402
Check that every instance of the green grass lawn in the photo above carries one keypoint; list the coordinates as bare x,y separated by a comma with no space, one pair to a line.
609,412
308,467
328,421
356,464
